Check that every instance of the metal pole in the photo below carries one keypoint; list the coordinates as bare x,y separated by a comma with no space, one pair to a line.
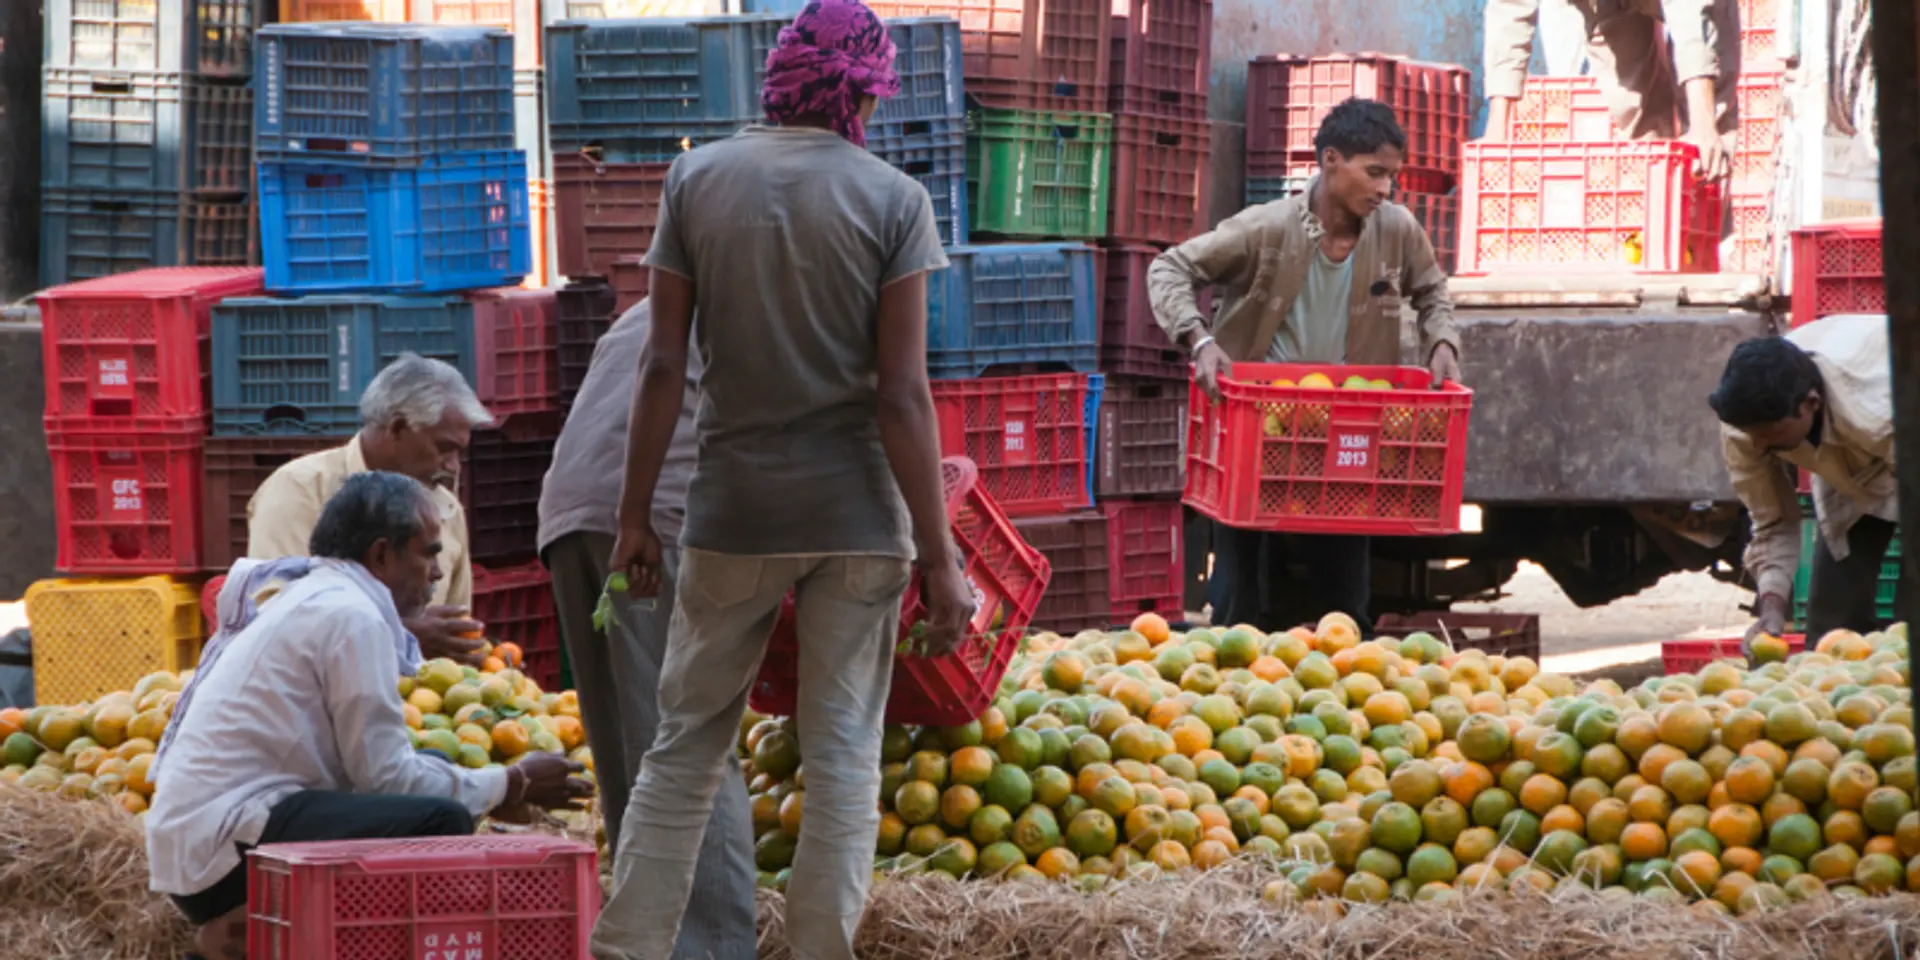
1896,54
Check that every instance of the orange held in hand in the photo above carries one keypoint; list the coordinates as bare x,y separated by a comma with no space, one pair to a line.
510,654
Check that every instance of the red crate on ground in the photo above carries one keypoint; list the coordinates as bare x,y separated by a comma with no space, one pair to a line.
1027,435
1288,97
1146,540
585,310
1601,207
1760,98
1138,441
235,467
516,605
524,897
127,502
1439,215
1162,58
604,211
134,345
1159,179
1008,576
1560,110
1689,656
1749,248
1837,269
1504,634
630,277
1131,341
1075,546
1049,55
1384,462
500,478
516,364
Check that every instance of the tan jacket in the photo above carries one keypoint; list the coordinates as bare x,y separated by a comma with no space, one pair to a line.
1852,468
1260,259
1510,27
283,512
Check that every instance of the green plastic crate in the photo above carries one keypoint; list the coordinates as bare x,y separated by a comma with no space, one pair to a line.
1884,591
1038,175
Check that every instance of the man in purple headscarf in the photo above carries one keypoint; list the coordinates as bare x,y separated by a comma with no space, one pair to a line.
818,473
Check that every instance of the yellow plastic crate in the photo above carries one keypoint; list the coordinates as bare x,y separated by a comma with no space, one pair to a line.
93,636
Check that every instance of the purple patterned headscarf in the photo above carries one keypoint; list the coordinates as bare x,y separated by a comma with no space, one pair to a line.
833,54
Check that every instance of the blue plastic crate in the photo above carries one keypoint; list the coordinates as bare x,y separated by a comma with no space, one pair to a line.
644,91
1096,388
456,222
382,93
927,58
145,131
299,366
205,37
939,163
96,233
1033,304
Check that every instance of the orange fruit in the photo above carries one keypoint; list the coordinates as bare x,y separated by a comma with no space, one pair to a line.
1208,854
1153,627
1845,826
1749,780
1541,793
510,654
1744,860
1850,783
570,731
508,739
1696,872
1655,761
1687,726
790,810
1057,863
1643,841
1650,805
1562,817
1736,825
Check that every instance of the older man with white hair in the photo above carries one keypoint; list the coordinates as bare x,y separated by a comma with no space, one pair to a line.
417,418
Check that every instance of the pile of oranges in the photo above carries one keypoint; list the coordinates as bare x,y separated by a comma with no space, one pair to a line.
1397,769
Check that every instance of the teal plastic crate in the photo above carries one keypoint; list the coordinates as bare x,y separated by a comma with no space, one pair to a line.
1884,592
1038,175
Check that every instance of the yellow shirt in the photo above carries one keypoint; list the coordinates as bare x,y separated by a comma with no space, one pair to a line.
1852,467
282,514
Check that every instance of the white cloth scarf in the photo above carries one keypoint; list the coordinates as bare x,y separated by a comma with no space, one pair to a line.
250,584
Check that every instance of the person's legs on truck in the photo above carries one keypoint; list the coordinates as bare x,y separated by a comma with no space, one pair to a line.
1630,59
1340,571
1841,592
1237,589
849,620
725,607
577,563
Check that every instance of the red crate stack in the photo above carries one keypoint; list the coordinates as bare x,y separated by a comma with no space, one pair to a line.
235,469
1146,545
1161,137
1760,102
1027,436
128,402
500,478
1076,547
1759,34
516,604
515,349
1139,432
1048,55
1837,269
608,211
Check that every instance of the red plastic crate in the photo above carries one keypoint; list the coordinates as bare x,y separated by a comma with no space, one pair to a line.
1008,576
585,309
521,897
1159,192
1288,97
1688,656
1439,215
1138,441
1047,55
1075,546
630,278
1750,243
515,358
136,344
1759,30
1131,341
501,473
516,605
1836,269
235,467
604,211
1028,435
1760,98
1600,207
127,502
1162,58
1502,634
1306,460
1560,110
1146,540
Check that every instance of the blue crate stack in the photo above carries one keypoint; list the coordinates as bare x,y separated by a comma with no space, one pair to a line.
145,153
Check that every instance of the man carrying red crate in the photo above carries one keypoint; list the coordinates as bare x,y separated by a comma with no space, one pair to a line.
1820,399
418,415
1314,278
1641,80
292,729
616,662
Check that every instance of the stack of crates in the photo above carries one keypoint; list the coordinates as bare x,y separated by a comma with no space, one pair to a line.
1288,97
128,403
145,153
1760,101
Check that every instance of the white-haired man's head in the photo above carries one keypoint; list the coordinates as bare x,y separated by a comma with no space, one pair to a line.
417,417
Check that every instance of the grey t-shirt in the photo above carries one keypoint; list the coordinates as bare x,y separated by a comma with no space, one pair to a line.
581,492
788,235
1316,327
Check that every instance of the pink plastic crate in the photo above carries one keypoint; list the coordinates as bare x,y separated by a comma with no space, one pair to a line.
1687,656
127,503
515,355
1146,551
1759,32
1601,207
1027,435
1761,97
1288,97
1560,110
430,898
1837,269
516,604
1750,249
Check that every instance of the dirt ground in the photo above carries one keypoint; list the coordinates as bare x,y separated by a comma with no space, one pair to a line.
1575,640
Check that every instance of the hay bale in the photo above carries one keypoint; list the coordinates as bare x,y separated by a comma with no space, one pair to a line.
73,879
